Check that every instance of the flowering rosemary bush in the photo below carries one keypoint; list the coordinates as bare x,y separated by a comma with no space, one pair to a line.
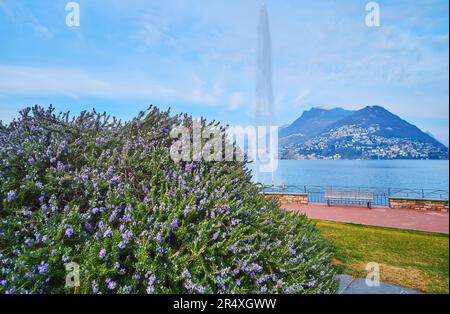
106,195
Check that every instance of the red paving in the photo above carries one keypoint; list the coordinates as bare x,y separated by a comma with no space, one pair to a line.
377,216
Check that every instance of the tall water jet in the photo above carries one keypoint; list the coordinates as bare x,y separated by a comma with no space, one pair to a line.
264,89
264,115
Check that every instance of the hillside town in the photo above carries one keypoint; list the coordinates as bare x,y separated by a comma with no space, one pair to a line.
356,142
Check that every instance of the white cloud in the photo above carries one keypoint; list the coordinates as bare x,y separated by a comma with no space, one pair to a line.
154,31
76,83
21,15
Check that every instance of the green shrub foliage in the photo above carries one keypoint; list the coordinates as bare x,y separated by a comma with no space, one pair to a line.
106,195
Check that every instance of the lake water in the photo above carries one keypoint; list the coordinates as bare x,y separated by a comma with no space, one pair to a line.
415,174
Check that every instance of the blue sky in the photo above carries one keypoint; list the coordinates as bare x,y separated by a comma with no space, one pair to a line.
198,56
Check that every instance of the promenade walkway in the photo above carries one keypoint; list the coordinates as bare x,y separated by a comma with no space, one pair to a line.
377,216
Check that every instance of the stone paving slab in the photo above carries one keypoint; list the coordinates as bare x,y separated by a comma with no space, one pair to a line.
344,282
350,285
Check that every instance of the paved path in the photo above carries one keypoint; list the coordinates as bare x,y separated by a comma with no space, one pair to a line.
350,285
377,216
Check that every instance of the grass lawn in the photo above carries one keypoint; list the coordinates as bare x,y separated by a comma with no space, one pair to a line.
411,259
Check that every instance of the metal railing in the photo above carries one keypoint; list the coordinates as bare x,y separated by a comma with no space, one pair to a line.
316,193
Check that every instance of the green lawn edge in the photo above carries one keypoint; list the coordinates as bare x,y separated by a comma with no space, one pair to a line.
410,258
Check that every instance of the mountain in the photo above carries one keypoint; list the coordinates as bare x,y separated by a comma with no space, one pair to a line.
372,132
390,125
312,122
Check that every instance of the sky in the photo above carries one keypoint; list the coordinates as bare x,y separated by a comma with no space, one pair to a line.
199,57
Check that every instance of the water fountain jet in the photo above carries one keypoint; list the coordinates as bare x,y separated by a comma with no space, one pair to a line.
264,88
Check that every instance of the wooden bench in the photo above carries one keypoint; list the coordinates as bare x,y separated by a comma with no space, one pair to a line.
349,196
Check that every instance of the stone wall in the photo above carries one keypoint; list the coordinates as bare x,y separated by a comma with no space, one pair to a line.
289,198
418,204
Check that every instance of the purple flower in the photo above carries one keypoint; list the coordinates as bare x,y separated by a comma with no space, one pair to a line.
62,145
151,279
42,268
262,280
3,282
69,232
111,285
175,223
95,210
52,160
256,267
107,233
189,285
221,210
113,216
102,253
121,245
186,274
216,235
27,213
94,286
11,195
234,222
60,167
311,283
201,289
28,242
197,179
